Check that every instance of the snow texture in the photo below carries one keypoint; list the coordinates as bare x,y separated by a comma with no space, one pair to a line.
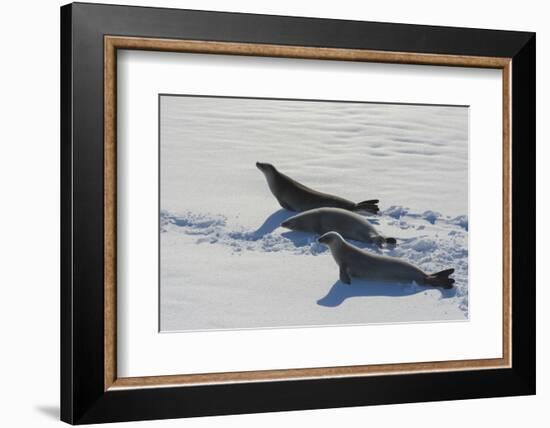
227,264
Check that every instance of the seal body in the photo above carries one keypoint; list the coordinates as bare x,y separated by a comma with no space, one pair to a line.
357,263
348,224
294,196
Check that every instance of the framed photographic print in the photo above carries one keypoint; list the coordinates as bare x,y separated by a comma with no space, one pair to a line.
265,213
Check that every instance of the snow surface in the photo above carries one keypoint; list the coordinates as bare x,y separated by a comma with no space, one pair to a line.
226,263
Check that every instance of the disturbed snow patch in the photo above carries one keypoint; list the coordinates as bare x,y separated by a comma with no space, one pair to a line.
213,229
429,240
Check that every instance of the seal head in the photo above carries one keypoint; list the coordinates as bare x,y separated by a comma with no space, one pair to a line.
330,238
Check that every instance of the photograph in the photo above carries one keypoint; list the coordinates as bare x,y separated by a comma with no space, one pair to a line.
272,210
287,213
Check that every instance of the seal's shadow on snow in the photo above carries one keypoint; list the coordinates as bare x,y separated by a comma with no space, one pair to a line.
272,222
339,291
305,239
299,239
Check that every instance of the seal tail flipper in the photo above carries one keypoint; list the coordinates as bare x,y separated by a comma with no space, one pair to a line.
370,206
441,279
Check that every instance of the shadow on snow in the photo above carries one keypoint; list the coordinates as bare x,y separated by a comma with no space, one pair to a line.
339,292
272,222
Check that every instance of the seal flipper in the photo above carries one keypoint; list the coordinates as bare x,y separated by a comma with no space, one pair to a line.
344,276
441,279
370,206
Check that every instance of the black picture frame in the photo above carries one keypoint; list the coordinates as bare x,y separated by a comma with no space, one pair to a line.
83,397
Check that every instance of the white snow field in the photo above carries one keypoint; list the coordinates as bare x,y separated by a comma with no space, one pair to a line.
226,263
